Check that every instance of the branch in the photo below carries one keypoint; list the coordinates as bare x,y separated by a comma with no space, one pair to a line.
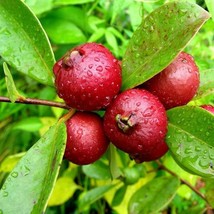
36,102
161,166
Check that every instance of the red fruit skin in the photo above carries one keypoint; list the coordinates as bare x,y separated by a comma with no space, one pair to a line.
148,120
88,77
86,141
209,108
177,84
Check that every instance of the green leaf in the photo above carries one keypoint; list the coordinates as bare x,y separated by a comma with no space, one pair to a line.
62,31
93,195
210,7
190,139
97,170
30,124
119,195
11,88
206,89
113,166
23,42
159,39
39,6
28,186
63,190
153,196
67,2
10,162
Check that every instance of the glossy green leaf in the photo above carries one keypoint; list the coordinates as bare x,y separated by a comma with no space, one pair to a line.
190,139
97,170
153,196
31,181
92,195
23,42
159,39
63,190
62,31
11,88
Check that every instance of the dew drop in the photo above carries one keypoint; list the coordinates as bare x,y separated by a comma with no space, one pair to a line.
5,194
149,111
89,73
14,174
107,67
96,59
140,147
90,66
99,68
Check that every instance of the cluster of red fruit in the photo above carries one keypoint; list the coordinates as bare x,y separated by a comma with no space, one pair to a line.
88,78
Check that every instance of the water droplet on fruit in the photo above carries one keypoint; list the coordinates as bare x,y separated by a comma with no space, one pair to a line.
140,147
99,68
138,104
89,73
149,111
107,67
90,66
96,59
14,174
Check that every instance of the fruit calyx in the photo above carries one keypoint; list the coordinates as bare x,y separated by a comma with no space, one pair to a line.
125,122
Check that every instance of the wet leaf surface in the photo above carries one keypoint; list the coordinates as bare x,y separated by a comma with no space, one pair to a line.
190,139
159,39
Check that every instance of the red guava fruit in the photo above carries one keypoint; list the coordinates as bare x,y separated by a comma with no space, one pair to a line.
136,123
177,84
86,141
88,77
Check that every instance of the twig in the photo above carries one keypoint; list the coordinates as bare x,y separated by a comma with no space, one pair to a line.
161,166
36,102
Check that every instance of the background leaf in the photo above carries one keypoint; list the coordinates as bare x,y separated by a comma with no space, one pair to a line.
31,181
190,139
97,170
153,196
31,54
93,195
63,190
159,39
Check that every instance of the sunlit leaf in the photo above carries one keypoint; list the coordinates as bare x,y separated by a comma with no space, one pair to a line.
153,196
28,186
159,39
92,195
63,190
23,42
